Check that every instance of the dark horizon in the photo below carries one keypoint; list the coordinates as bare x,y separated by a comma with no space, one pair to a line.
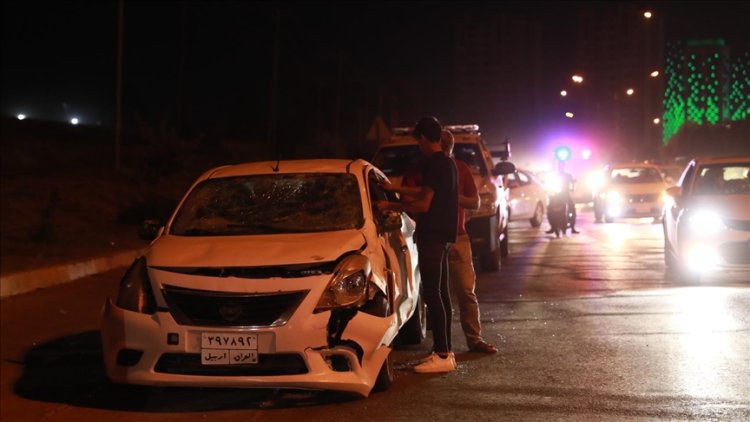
215,59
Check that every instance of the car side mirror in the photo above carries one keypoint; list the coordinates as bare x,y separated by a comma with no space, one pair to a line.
150,229
504,167
391,221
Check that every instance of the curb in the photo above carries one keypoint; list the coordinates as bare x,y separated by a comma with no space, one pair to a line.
23,282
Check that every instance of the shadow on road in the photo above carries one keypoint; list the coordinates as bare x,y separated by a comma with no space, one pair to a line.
70,370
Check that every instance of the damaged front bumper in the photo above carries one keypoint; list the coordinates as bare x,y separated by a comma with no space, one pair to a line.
340,350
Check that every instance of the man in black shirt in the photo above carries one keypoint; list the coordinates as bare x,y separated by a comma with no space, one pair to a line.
437,202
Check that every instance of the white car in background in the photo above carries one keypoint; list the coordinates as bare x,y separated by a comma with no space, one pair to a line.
271,275
528,197
630,190
707,222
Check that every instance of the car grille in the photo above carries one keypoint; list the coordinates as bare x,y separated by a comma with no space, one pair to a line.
736,253
741,225
268,365
279,271
641,199
222,309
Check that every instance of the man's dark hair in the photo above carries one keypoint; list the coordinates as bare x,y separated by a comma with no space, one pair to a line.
429,127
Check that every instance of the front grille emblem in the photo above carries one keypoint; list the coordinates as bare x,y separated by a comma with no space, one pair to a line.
230,311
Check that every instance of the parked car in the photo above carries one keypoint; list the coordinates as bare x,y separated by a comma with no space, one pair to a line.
273,275
488,226
707,223
528,197
630,190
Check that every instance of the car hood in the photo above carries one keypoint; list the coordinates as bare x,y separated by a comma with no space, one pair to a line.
730,207
253,251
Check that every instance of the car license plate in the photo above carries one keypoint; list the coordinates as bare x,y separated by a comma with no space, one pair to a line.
229,349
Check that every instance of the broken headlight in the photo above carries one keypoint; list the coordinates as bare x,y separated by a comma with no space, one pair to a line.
348,287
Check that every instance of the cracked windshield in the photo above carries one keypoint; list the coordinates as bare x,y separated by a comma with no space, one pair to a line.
270,204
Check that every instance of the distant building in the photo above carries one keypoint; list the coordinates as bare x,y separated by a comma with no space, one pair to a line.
705,86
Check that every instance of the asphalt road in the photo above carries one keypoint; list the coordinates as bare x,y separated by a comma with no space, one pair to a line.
588,327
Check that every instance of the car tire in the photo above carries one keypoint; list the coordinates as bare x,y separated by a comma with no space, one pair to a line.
415,329
490,260
536,220
386,375
598,214
504,247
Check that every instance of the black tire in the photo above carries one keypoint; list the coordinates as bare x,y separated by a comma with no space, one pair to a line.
385,376
504,248
490,260
598,214
538,217
415,329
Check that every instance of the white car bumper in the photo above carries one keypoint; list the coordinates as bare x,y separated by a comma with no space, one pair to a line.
156,350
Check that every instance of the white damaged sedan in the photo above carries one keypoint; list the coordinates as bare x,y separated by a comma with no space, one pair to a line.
271,275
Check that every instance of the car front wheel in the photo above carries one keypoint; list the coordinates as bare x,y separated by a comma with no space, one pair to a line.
385,376
536,220
415,329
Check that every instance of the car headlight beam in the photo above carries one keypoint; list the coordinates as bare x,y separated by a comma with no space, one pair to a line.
348,287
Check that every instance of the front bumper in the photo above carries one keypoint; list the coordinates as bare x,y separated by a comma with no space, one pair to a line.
727,251
634,209
141,349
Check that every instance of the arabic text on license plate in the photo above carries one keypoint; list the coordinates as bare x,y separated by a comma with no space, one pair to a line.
228,357
229,341
229,349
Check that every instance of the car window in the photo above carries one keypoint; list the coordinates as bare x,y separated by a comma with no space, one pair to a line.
522,178
393,161
723,179
271,204
472,156
634,175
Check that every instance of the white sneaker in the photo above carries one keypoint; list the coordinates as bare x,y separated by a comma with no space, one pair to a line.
436,364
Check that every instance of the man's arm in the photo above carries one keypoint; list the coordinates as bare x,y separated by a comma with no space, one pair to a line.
420,204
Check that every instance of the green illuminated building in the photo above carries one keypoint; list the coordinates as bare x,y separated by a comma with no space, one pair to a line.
704,86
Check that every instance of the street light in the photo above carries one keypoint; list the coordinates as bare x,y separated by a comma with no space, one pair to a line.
569,115
630,91
21,116
657,121
74,121
647,15
577,79
655,73
563,93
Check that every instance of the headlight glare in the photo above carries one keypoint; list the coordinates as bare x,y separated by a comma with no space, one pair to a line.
706,223
348,287
614,196
135,292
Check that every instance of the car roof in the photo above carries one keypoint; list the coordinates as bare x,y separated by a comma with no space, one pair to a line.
289,166
461,134
722,160
635,165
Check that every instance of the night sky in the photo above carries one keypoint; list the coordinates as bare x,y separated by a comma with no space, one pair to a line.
215,58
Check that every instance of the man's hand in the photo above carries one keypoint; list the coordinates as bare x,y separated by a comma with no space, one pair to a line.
383,206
